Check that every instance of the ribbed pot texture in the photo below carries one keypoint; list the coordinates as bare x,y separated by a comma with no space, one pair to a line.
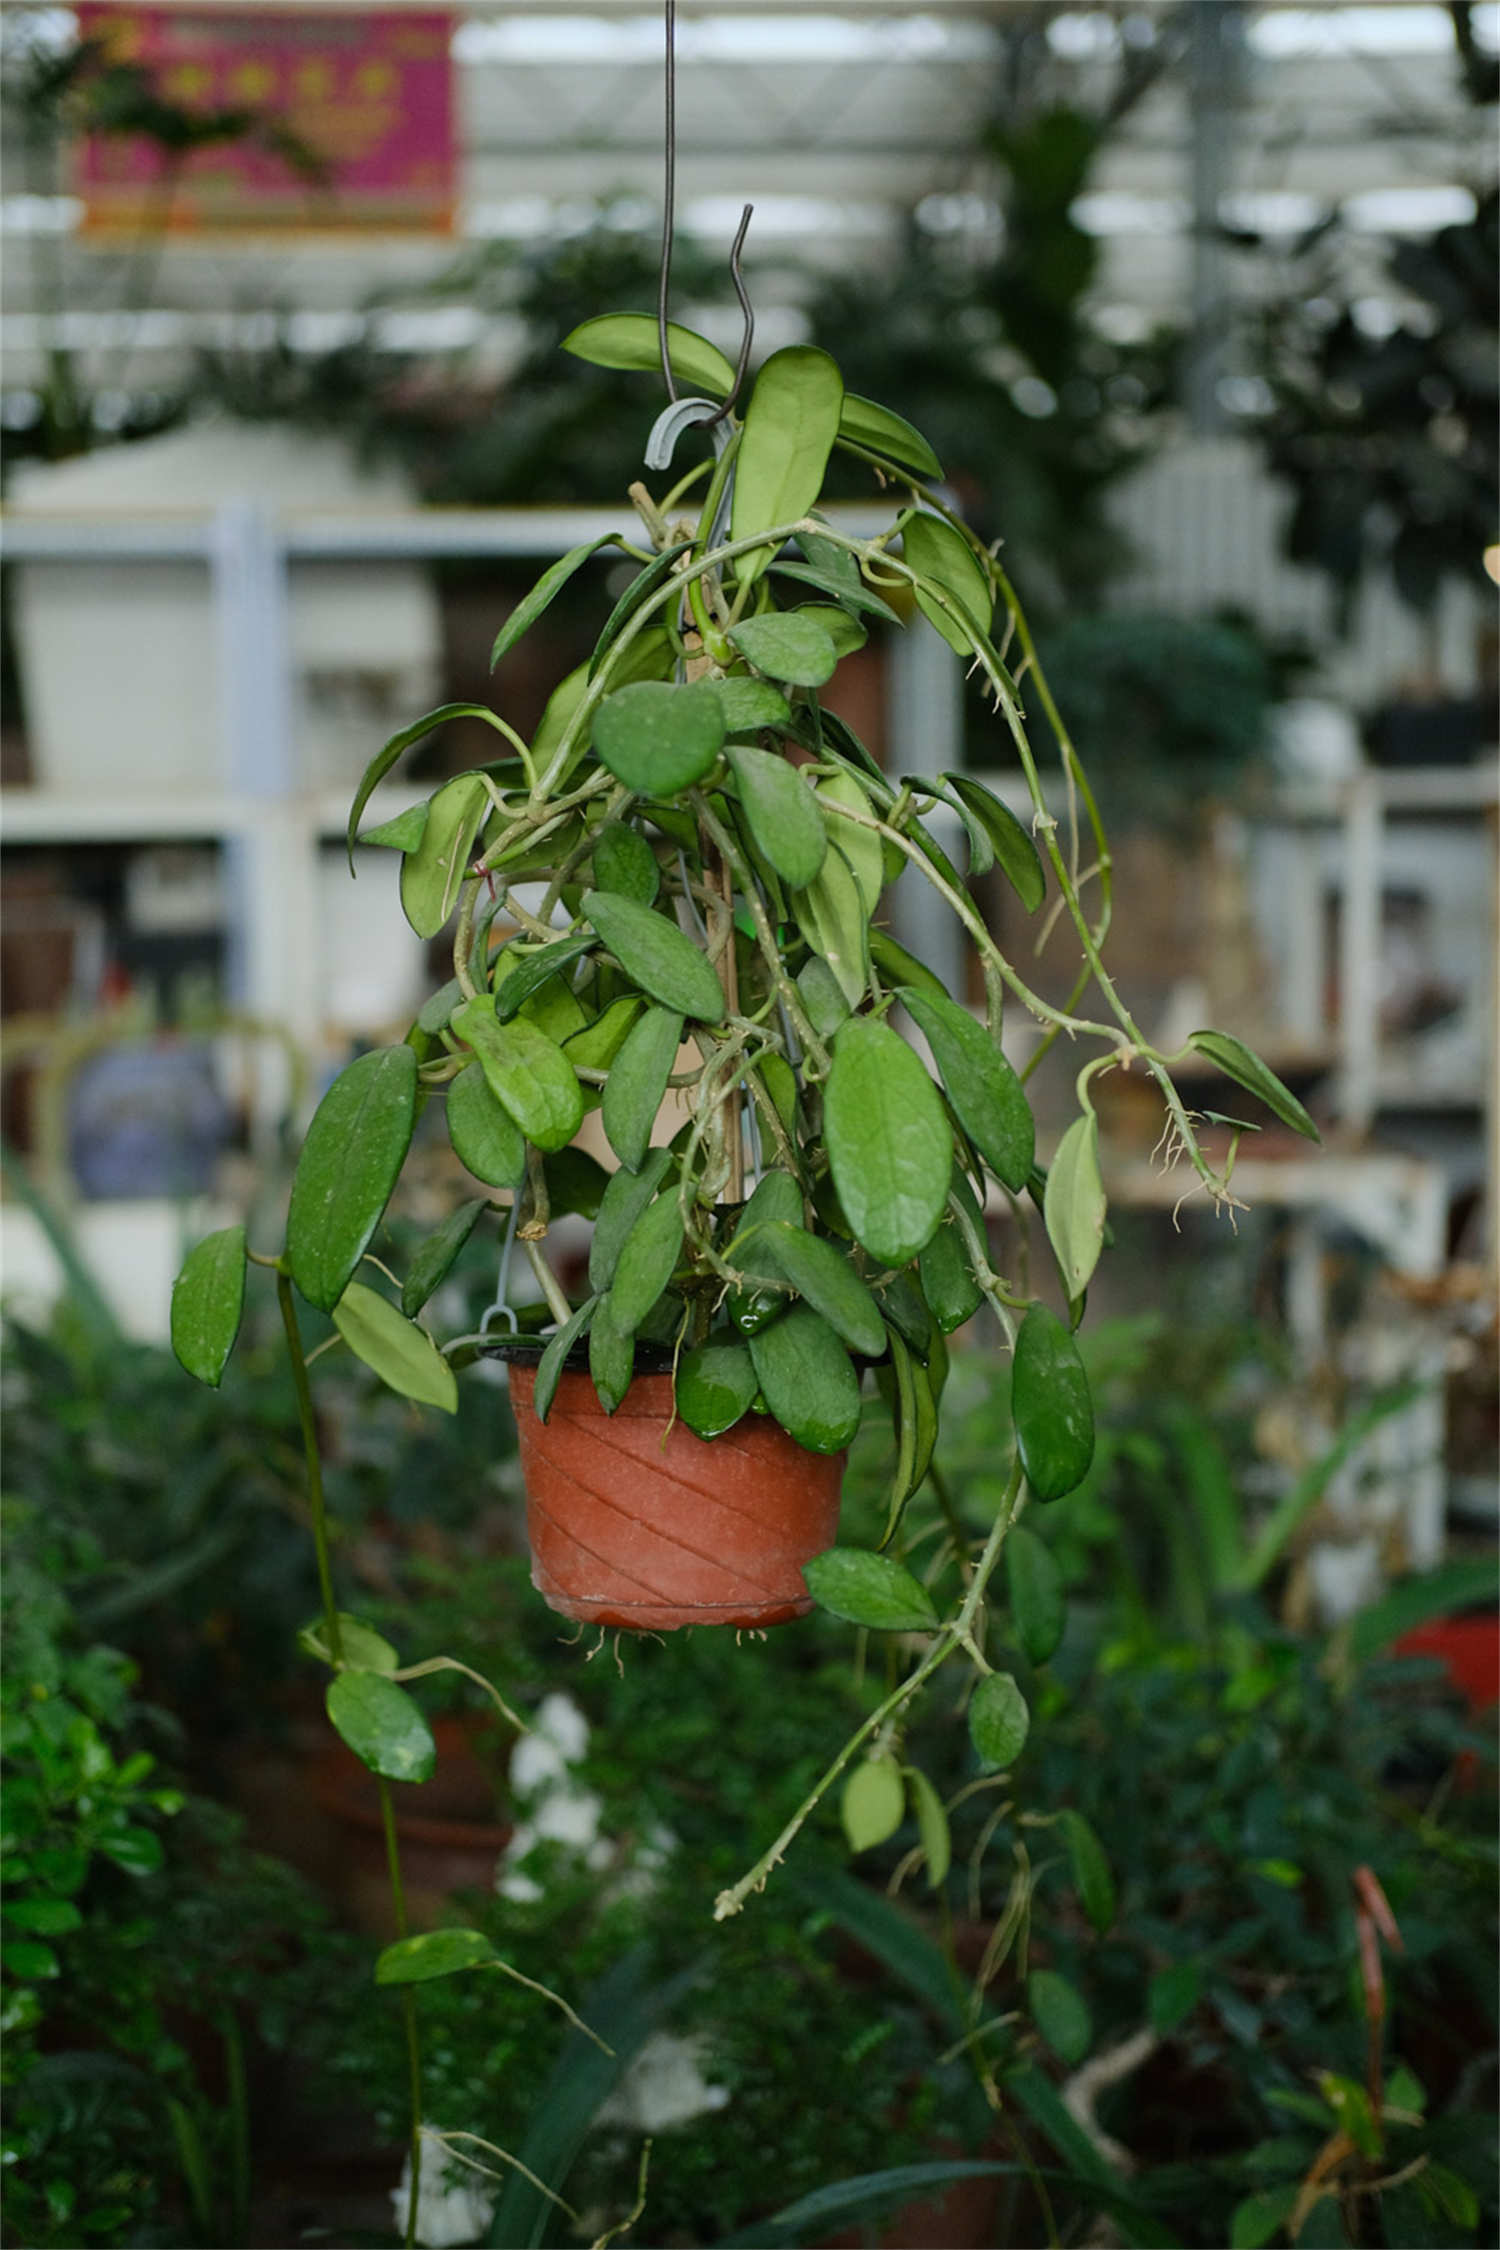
635,1526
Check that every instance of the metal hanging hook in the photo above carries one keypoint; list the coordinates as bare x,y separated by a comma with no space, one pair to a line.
668,230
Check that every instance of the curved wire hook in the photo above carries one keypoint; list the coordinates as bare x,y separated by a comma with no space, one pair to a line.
668,230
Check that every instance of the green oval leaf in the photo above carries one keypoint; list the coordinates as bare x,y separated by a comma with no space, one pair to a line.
522,974
432,1953
873,1804
382,1726
660,736
1244,1066
789,645
433,875
860,846
403,1355
620,1206
823,1275
847,589
656,956
809,1383
632,341
953,1295
637,1084
1074,1206
403,834
822,996
1171,1997
596,1046
208,1299
749,705
527,1072
548,586
775,1199
486,1139
940,553
866,1589
781,813
831,915
1092,1879
1060,2014
648,1256
932,1827
555,1358
435,1257
1054,1415
884,432
414,1960
898,967
354,1150
715,1385
889,1144
790,426
987,1096
1011,844
1038,1605
625,862
611,1356
999,1721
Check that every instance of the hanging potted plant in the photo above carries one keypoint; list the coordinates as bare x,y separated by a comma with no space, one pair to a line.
691,854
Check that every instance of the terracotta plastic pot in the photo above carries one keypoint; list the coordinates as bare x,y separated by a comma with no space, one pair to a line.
636,1524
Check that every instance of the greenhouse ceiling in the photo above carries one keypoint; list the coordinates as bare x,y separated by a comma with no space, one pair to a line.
840,124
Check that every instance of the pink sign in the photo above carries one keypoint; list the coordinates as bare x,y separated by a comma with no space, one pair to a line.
369,94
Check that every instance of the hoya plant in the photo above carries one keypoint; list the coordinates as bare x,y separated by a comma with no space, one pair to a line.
671,903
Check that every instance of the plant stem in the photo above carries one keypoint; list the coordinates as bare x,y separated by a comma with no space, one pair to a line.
408,2008
313,1457
954,1635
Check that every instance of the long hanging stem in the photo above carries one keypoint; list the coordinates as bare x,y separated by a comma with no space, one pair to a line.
314,1459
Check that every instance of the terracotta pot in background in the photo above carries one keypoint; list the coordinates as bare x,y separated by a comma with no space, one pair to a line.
635,1522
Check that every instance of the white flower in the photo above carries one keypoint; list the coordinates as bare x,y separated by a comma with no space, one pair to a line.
663,2086
453,2204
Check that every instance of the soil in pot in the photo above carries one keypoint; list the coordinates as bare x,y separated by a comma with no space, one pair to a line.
635,1522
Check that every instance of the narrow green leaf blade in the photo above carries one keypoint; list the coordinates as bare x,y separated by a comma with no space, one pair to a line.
554,1359
941,554
433,875
1054,1414
889,1144
208,1299
884,432
522,974
645,1265
1074,1206
1038,1605
1011,843
382,1725
932,1827
790,426
611,1356
354,1150
831,915
631,341
384,758
596,1046
544,592
953,1295
435,1257
866,1589
809,1384
656,956
621,1205
637,1084
1091,1873
432,1953
1239,1062
987,1096
403,1355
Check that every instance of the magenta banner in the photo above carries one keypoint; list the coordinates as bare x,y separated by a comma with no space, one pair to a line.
368,94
